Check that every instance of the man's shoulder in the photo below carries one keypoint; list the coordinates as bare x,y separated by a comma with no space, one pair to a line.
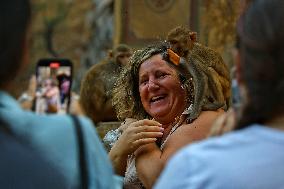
26,166
216,146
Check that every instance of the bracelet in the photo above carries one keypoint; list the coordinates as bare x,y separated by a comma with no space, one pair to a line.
111,137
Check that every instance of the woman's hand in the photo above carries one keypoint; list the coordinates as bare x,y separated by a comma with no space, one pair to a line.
136,134
124,125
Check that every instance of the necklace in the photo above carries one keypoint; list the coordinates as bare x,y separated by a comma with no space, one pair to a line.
178,122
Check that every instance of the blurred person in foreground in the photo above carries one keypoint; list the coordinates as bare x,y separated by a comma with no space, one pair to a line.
22,167
157,92
53,137
252,155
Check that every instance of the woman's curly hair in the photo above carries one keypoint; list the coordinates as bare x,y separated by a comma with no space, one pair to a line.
126,97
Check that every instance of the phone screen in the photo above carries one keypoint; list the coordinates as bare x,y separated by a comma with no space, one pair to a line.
54,81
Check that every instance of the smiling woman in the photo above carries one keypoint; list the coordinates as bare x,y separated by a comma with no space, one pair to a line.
161,91
156,91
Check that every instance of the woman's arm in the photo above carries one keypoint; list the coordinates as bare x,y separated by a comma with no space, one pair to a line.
150,160
149,163
118,159
135,135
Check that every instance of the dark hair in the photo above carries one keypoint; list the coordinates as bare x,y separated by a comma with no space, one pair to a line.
14,21
126,97
261,32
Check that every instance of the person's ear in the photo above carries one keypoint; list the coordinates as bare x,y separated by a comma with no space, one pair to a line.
193,36
238,66
239,76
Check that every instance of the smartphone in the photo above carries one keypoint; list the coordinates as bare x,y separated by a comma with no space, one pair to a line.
53,90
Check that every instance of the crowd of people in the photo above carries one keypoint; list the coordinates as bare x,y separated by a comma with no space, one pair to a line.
173,100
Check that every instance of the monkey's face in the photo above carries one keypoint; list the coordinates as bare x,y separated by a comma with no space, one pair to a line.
122,58
181,45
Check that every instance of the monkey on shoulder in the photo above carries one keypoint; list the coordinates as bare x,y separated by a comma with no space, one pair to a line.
211,78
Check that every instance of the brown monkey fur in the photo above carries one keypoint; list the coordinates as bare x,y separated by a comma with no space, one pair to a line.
211,77
97,85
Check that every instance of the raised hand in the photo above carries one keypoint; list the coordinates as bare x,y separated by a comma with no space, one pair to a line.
136,134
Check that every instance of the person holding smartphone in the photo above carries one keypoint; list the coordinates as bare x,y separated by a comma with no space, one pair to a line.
53,136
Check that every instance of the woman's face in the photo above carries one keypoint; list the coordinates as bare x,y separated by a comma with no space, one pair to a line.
160,90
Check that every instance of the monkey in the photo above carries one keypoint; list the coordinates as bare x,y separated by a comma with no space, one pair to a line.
211,77
98,82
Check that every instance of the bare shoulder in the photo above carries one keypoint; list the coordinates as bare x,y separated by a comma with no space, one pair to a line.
189,133
207,117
